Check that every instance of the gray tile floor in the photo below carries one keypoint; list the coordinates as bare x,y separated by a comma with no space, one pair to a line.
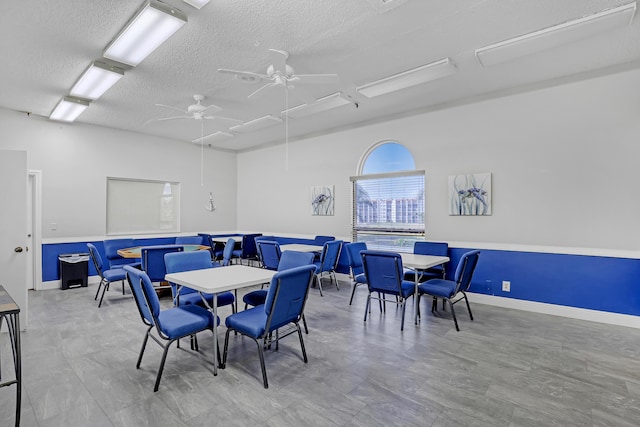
506,368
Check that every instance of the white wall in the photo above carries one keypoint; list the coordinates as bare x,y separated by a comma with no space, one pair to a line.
75,160
563,159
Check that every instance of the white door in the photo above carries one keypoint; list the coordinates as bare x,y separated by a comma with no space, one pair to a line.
13,228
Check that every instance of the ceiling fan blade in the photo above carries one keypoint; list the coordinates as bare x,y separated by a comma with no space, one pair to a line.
251,95
244,76
279,60
173,118
228,119
315,79
172,108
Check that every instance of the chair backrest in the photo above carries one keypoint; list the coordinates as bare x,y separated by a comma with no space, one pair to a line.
287,296
228,251
355,259
153,260
383,271
111,251
321,240
176,262
330,255
431,248
464,270
96,258
269,252
189,240
249,249
293,259
148,305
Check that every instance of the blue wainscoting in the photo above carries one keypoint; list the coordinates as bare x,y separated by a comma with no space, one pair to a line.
590,282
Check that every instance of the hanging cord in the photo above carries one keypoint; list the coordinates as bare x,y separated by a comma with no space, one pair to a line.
286,128
201,153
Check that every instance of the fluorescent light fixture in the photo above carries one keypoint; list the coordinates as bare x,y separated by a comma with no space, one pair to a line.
257,124
557,35
198,4
335,100
214,137
68,109
413,77
96,80
151,26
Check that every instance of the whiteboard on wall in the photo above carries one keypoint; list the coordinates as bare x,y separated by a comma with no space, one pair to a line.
137,206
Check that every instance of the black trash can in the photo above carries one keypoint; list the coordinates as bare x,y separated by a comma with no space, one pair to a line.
74,270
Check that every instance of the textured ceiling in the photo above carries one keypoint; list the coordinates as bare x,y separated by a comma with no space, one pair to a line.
46,45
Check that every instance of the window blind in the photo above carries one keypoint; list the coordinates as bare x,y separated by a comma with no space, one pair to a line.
388,210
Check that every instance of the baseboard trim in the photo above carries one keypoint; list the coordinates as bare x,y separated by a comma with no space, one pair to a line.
558,310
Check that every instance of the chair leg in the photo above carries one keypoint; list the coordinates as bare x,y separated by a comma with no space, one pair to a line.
304,351
417,316
264,370
453,313
468,307
226,347
404,308
353,292
367,307
144,344
104,289
335,278
98,291
123,287
304,322
319,281
161,368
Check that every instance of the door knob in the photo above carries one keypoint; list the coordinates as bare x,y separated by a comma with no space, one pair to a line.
18,249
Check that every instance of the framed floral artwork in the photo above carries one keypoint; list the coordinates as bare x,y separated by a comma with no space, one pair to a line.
470,194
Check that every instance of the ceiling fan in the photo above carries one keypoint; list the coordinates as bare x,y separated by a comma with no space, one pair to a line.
196,111
281,74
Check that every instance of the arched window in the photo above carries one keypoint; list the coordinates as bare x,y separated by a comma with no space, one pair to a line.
388,199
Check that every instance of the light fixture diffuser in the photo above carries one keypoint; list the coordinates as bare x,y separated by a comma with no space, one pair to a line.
151,26
413,77
257,124
198,4
557,35
68,109
96,80
214,137
329,102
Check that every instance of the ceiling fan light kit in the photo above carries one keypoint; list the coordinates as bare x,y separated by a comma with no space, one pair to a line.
151,26
409,78
557,35
96,80
68,109
328,102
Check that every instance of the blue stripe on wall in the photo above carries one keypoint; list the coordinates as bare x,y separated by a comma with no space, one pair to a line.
590,282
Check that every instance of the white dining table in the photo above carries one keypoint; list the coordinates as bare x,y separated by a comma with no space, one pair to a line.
300,247
419,263
216,280
237,238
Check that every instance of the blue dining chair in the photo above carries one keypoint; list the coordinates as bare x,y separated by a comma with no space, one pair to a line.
285,303
449,289
177,262
171,324
227,253
328,262
269,252
355,264
107,276
248,251
111,248
429,248
188,240
288,260
384,275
